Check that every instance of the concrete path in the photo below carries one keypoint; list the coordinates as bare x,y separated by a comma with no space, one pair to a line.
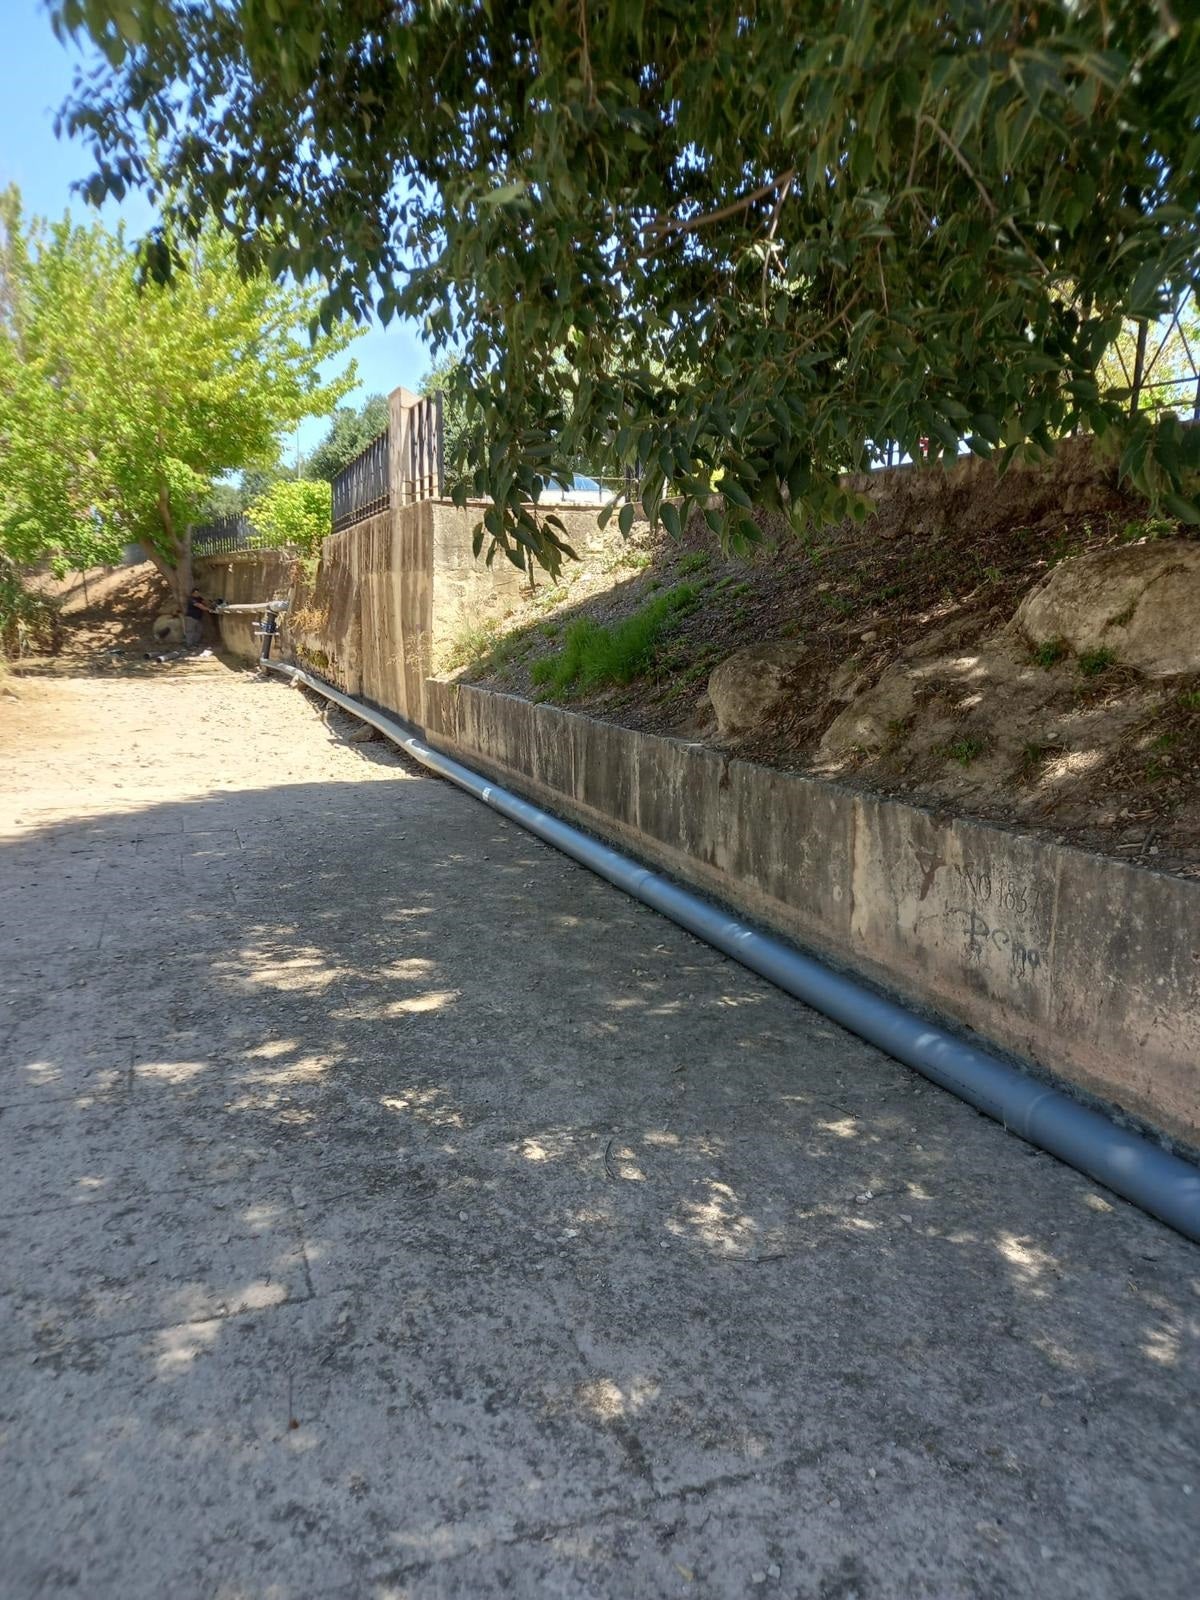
388,1208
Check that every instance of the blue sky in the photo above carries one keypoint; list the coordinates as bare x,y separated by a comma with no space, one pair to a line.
37,77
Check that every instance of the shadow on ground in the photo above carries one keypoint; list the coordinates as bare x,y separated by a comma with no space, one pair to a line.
391,1208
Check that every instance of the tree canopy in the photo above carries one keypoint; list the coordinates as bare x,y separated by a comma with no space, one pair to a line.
762,238
123,402
350,432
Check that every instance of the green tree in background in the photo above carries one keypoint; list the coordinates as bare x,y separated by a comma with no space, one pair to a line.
222,500
446,375
295,515
123,402
350,432
1170,362
761,238
255,481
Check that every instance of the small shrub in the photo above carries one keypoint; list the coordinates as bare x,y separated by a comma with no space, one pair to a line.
507,650
965,750
1050,652
293,515
29,622
1093,662
593,656
695,562
626,560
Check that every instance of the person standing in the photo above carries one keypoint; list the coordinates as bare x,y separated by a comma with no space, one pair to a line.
194,612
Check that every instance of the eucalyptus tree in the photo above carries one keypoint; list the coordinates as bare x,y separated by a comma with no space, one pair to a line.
760,237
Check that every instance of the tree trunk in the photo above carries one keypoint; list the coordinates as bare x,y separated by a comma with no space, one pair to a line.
178,576
183,565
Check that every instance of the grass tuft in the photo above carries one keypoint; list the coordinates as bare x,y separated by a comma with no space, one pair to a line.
593,657
472,643
965,750
1093,662
1050,652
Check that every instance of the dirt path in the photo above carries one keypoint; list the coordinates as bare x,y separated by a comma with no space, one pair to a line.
389,1208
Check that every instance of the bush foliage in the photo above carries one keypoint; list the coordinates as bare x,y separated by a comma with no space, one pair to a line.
293,515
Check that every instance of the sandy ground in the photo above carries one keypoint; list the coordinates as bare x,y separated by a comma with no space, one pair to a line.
388,1208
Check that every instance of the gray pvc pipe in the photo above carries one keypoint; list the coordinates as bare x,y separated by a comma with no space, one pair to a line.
1126,1162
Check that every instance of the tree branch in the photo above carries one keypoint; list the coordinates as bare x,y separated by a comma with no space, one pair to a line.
930,122
691,224
771,227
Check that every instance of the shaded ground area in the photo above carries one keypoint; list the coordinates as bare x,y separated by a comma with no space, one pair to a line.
107,618
1089,751
390,1208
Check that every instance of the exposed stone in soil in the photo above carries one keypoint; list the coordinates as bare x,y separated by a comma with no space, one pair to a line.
916,679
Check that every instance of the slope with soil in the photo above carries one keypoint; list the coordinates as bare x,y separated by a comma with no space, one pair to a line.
1080,746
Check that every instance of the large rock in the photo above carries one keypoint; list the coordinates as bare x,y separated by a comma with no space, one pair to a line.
1141,602
168,630
750,686
871,719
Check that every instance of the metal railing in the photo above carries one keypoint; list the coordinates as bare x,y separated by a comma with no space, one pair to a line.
224,536
403,465
420,469
363,487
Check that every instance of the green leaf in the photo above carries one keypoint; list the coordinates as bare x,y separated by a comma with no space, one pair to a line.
1185,510
505,193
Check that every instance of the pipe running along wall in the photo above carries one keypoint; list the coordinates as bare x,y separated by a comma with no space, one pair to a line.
1125,1161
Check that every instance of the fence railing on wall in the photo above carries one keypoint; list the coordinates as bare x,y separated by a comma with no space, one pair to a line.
1152,370
417,421
1162,372
224,536
403,465
362,488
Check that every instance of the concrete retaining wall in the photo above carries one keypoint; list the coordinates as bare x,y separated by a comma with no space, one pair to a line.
1081,964
242,579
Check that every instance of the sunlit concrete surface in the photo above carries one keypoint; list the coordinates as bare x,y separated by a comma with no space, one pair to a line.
388,1208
